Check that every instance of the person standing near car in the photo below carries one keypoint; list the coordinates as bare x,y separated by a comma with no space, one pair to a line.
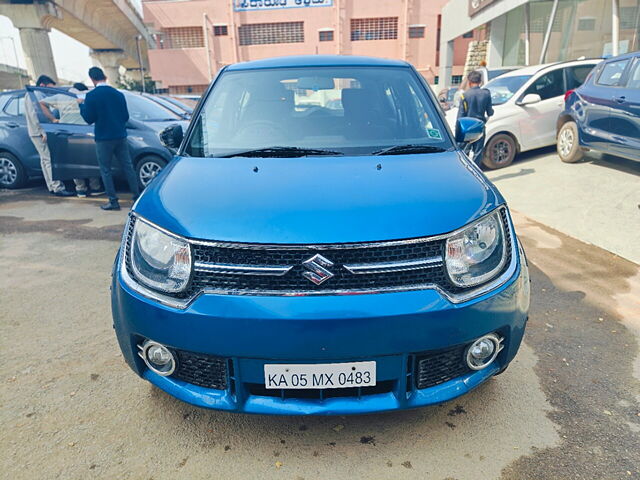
475,102
69,112
106,107
39,140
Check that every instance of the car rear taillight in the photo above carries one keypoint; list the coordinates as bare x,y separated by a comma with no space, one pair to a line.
567,93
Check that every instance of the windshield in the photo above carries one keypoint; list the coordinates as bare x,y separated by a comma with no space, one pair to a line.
146,110
491,74
344,110
503,88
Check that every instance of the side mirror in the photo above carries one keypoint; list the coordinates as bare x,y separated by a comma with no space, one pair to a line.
469,130
530,99
171,137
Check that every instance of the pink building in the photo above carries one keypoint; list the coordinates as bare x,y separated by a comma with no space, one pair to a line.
195,38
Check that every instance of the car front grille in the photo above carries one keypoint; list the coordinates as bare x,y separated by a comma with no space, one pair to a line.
398,260
200,369
434,368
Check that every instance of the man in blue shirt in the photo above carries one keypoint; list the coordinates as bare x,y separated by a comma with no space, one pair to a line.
476,103
106,107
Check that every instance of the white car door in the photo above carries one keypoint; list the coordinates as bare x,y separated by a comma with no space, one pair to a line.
538,120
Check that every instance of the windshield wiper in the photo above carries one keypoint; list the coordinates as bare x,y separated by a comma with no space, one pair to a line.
286,152
409,148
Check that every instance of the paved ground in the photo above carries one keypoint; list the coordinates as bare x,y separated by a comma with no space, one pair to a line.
567,408
597,200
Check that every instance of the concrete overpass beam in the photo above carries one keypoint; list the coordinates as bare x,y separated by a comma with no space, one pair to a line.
109,61
31,20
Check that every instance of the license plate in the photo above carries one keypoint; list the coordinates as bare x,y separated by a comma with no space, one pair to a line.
320,375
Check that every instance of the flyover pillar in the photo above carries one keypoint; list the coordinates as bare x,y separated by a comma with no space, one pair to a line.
38,54
109,61
31,20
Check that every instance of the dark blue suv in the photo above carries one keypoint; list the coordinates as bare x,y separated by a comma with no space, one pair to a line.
603,114
320,245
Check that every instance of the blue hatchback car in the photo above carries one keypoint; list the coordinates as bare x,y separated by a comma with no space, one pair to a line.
603,114
319,245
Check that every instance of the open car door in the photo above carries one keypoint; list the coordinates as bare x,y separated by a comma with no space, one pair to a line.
71,141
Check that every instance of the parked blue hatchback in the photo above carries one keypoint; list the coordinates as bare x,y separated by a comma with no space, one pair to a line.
319,245
604,113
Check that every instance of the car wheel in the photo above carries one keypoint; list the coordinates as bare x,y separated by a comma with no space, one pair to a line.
568,144
148,168
12,174
499,151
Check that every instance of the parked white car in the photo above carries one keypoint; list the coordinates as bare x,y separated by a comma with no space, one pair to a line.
527,103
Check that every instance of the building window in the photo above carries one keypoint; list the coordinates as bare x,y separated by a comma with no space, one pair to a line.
183,37
187,89
436,80
416,31
325,35
266,33
456,79
220,30
586,24
385,28
468,34
629,18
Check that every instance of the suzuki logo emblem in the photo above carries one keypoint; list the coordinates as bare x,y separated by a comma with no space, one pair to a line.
316,271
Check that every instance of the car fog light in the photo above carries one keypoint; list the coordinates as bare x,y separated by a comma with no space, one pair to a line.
158,358
484,351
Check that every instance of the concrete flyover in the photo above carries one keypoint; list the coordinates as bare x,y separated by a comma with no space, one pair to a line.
113,29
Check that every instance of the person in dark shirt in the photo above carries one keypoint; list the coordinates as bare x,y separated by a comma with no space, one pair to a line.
106,107
476,103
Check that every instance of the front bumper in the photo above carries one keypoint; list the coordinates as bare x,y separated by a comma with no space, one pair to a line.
391,328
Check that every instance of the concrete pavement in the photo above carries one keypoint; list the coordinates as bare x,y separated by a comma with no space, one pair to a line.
597,201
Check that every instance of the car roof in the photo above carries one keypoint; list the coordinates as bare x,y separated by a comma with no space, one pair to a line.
623,56
317,61
533,69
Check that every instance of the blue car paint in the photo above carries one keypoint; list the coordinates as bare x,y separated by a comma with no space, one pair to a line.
608,117
406,196
409,196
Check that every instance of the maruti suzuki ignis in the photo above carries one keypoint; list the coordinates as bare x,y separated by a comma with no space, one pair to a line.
319,245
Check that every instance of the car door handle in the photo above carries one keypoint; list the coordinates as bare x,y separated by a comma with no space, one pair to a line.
12,125
621,99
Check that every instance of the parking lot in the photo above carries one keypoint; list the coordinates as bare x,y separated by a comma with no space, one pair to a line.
567,408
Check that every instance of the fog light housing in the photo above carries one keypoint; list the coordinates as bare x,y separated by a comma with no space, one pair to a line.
157,357
484,351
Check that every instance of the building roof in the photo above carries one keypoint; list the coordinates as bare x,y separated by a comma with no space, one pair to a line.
317,61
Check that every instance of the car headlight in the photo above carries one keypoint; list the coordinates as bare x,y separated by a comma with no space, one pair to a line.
477,253
159,260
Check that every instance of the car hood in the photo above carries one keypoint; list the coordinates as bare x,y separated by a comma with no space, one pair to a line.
317,199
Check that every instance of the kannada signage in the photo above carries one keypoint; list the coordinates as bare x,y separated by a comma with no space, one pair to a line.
476,5
244,5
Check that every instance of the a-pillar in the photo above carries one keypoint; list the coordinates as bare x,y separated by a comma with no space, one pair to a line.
31,21
109,61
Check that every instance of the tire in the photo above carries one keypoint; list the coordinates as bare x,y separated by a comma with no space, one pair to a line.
12,173
147,168
568,144
499,151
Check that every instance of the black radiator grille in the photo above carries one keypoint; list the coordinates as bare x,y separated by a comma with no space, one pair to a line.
434,368
294,282
203,370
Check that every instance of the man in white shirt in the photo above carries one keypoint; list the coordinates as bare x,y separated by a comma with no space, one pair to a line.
69,112
39,140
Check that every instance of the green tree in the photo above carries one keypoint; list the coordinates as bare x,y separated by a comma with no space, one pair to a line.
134,84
